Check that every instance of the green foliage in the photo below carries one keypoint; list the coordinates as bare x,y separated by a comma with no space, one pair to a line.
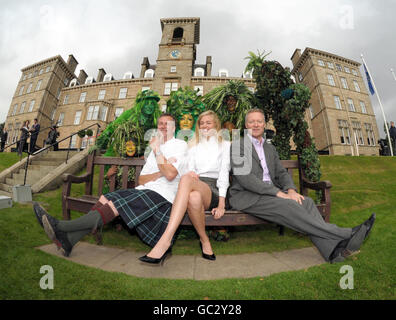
243,100
89,132
185,101
81,133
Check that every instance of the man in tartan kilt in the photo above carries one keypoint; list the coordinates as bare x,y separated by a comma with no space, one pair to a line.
145,208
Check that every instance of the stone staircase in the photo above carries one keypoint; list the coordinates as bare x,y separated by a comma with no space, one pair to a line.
38,168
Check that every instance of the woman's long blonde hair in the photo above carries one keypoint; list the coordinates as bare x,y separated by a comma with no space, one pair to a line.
215,118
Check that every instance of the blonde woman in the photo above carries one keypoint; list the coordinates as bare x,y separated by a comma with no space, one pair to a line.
203,187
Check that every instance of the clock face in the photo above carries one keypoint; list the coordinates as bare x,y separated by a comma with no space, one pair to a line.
175,54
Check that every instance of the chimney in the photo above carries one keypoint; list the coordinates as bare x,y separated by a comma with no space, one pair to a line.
101,74
208,66
82,77
72,63
296,56
145,66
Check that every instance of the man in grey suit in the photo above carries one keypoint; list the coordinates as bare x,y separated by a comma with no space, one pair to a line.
261,186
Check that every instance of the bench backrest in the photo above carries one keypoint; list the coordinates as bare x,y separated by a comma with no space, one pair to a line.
138,163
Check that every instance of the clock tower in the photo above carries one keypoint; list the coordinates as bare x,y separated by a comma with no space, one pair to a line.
176,54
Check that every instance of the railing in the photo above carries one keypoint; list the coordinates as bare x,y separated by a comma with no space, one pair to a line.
57,142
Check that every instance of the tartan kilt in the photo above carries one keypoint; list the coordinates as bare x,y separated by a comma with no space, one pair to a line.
145,210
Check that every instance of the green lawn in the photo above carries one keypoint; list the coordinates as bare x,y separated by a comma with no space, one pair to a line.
360,186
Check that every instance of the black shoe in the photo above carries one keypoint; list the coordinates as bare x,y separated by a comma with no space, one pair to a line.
161,260
340,254
369,224
207,256
39,211
57,236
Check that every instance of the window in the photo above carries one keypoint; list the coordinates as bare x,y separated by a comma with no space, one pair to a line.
351,105
84,142
344,83
311,112
108,77
53,115
103,113
330,65
21,90
82,97
123,93
347,70
89,80
15,110
330,78
167,88
354,72
118,112
199,72
337,102
9,138
128,75
73,83
356,84
363,106
345,136
163,108
66,99
35,73
41,71
199,90
174,86
357,132
338,66
145,88
66,82
31,106
48,69
102,94
30,75
29,89
93,113
73,141
223,73
61,118
58,93
321,63
77,117
173,69
247,75
39,85
300,76
24,77
370,134
22,109
149,73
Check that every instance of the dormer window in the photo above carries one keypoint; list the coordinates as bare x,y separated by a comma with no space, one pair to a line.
73,83
108,77
149,73
223,73
199,72
89,80
128,75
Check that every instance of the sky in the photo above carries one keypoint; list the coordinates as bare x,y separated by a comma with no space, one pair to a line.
117,34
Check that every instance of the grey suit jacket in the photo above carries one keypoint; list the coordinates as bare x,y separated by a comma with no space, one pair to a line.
247,188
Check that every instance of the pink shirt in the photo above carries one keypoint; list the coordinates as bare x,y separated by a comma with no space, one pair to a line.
259,146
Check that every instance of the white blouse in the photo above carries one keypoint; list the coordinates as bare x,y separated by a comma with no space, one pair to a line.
212,160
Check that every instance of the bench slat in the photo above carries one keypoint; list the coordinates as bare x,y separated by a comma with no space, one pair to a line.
101,179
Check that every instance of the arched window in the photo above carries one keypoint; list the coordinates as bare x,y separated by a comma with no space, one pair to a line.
178,34
73,83
128,75
199,72
149,73
223,73
108,77
247,75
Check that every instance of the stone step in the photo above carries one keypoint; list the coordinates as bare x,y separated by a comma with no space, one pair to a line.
31,175
14,181
47,163
5,193
5,187
40,167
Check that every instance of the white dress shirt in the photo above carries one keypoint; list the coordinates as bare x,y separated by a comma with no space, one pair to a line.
212,160
174,148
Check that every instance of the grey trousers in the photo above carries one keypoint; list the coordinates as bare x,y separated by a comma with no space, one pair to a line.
303,218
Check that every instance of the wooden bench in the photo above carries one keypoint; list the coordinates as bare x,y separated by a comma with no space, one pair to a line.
231,217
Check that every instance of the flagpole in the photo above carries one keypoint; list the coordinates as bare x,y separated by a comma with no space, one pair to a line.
380,103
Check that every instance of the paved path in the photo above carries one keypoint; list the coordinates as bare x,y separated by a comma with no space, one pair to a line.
191,267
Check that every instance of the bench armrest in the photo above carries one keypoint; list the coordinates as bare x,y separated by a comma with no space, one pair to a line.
320,185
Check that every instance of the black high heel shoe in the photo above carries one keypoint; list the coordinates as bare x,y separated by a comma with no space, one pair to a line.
207,256
161,260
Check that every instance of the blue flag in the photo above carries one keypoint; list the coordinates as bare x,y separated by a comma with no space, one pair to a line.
372,91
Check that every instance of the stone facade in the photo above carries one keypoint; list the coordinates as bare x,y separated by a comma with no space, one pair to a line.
341,116
75,103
